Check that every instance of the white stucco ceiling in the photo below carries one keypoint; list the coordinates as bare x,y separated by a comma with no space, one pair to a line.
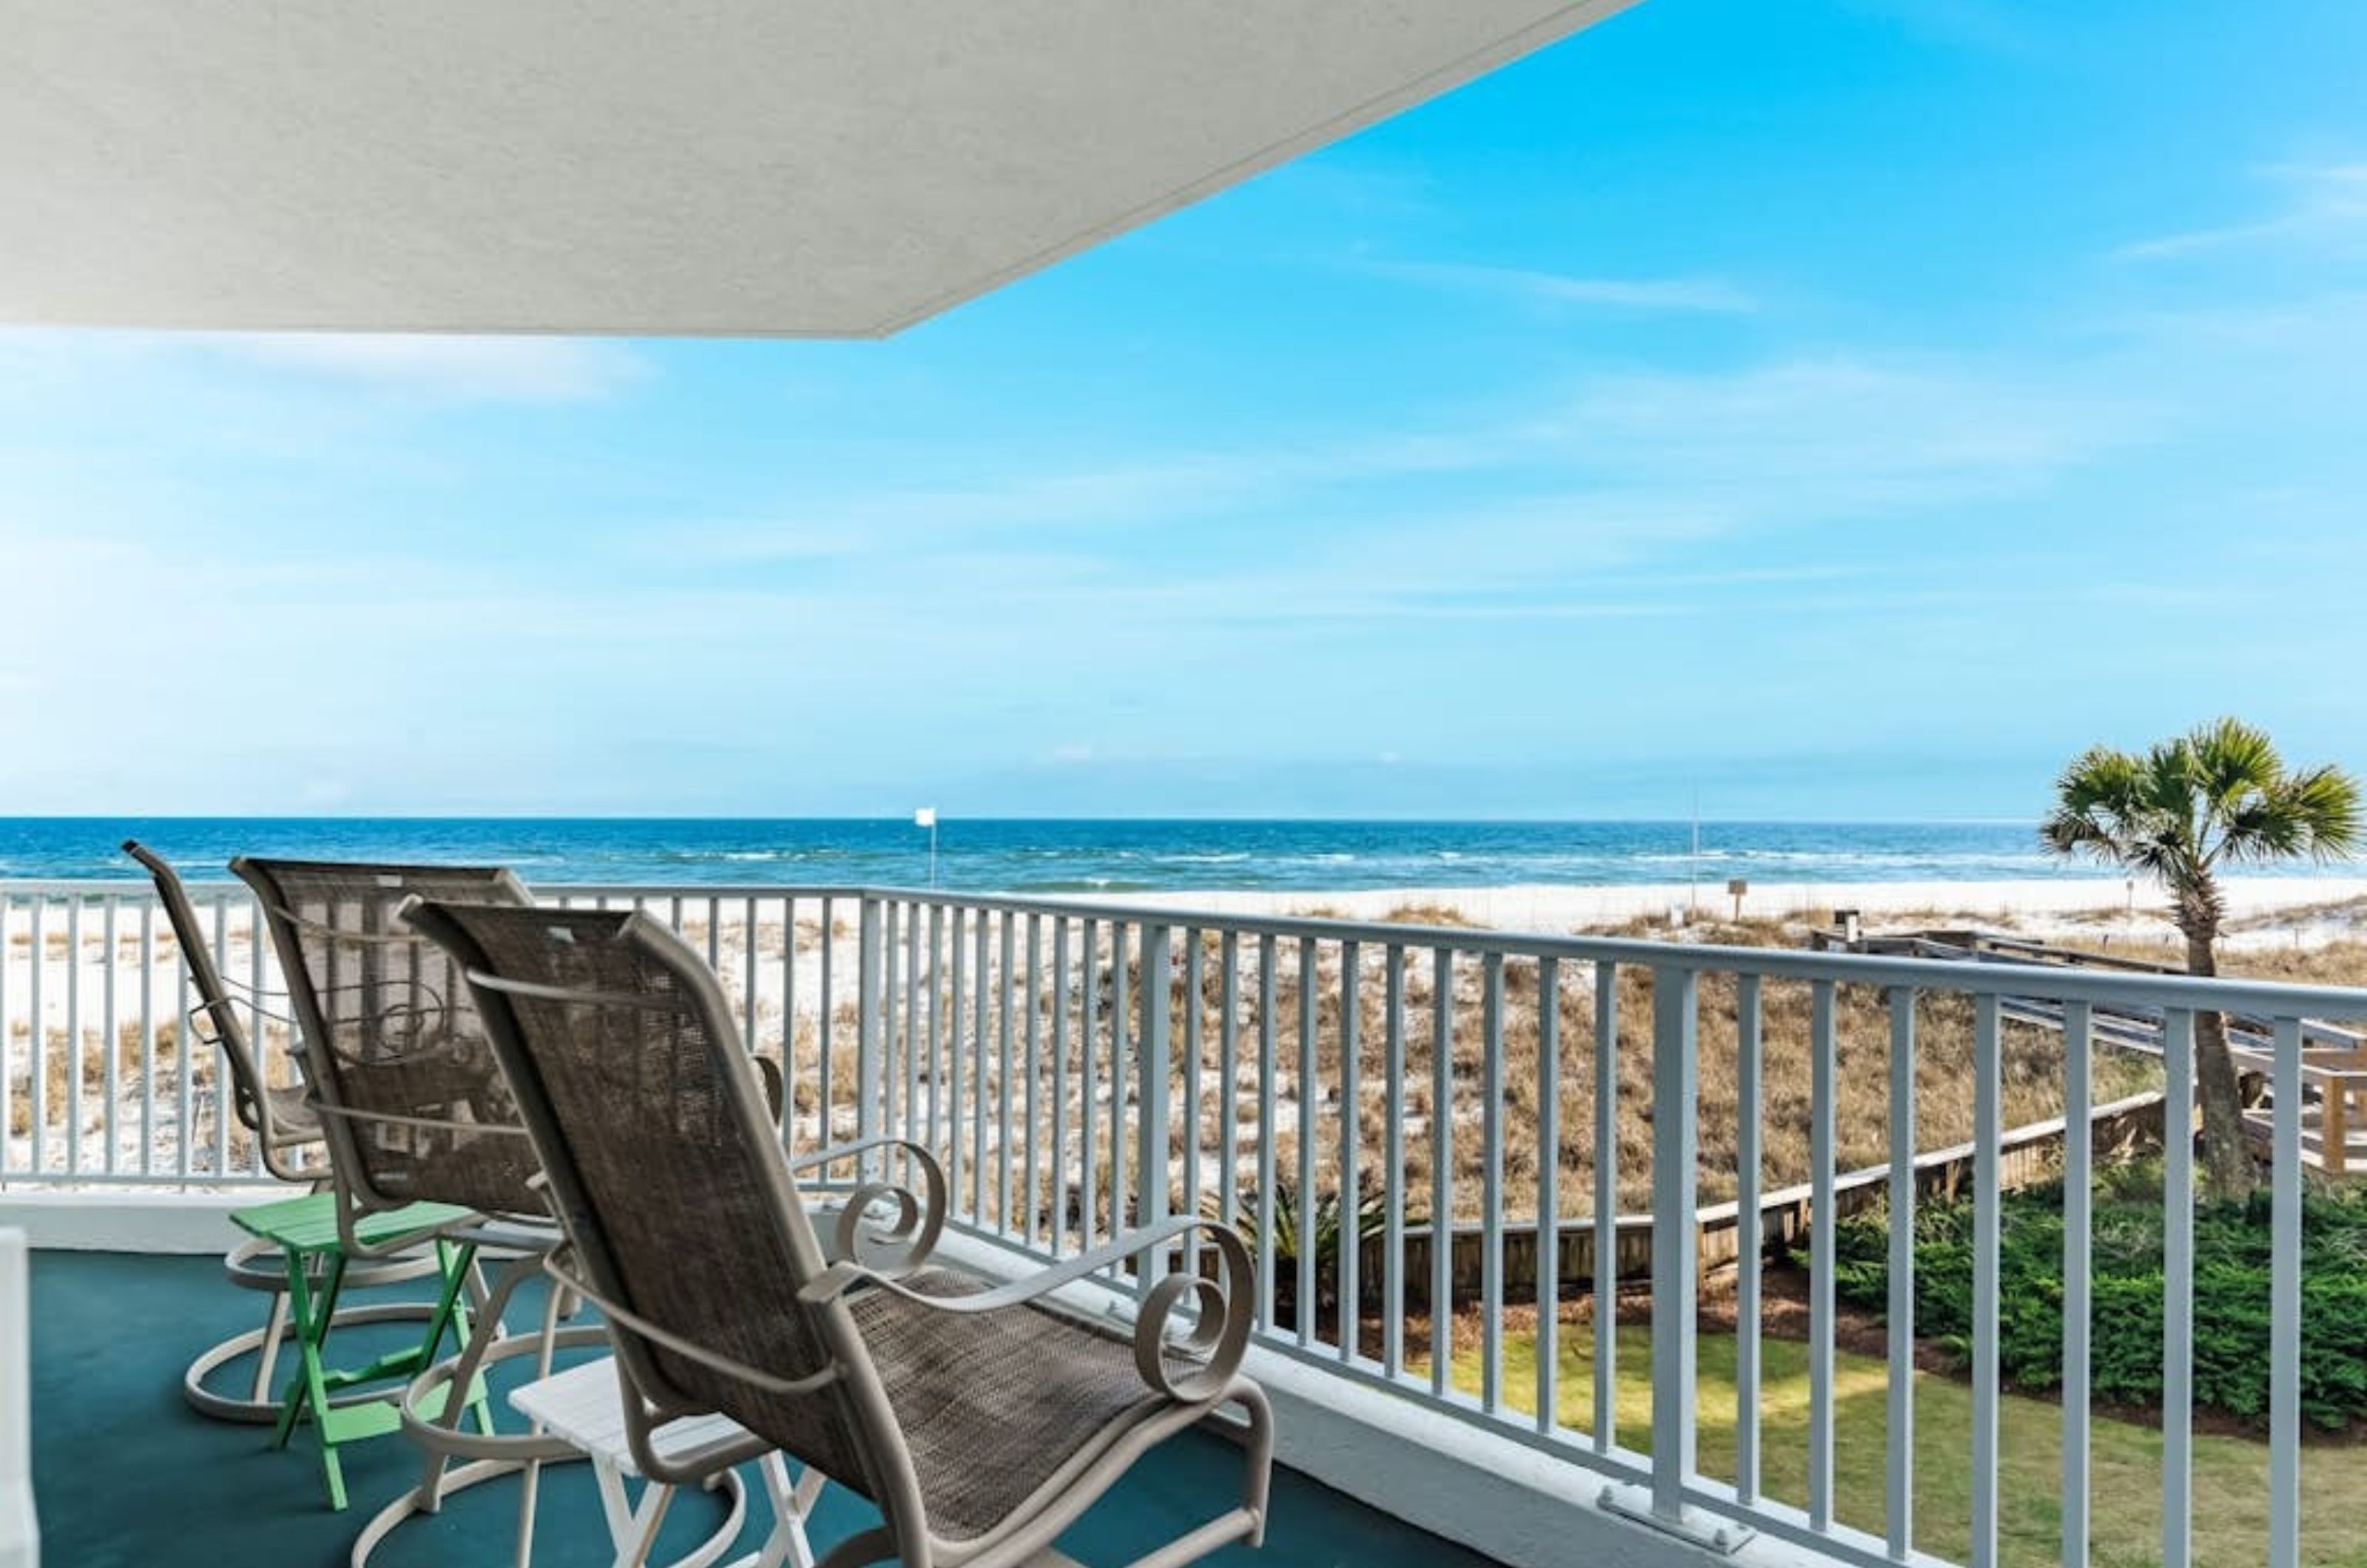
795,168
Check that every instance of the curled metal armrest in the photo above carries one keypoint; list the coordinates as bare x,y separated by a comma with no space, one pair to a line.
1216,1342
555,1263
1219,1336
211,1031
902,1246
777,1089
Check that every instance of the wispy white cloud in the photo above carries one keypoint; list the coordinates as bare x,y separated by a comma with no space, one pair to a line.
491,369
442,368
1536,287
2322,209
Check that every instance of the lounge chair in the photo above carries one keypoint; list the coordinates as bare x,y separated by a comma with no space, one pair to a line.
980,1418
286,1130
412,1109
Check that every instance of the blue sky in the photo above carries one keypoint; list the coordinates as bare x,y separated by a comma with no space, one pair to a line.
1837,408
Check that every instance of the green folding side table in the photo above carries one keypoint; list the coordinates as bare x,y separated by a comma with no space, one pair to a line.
306,1232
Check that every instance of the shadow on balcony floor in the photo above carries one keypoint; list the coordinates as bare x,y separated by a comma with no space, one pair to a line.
125,1473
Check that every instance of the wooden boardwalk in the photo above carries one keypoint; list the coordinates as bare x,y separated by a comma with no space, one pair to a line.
2334,1059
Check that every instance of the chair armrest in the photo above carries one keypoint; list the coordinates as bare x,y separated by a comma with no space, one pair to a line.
768,1073
1216,1340
905,1244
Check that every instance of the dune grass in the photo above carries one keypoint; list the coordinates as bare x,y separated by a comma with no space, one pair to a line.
2231,1485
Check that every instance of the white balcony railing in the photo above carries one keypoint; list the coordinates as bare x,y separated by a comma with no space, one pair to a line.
1081,1066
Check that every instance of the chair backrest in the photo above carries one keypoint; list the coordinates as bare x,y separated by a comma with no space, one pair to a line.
250,1095
412,1106
668,1173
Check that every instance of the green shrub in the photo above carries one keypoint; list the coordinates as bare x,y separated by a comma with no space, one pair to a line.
2231,1294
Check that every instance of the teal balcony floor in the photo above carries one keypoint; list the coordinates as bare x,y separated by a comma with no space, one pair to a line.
125,1473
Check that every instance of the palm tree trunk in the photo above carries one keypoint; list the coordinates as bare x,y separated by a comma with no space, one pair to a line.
2227,1158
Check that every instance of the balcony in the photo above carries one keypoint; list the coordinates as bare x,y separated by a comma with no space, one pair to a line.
1720,1116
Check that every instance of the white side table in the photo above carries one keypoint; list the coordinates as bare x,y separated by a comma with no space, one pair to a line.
586,1405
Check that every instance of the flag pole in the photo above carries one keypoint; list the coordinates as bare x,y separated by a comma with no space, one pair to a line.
926,816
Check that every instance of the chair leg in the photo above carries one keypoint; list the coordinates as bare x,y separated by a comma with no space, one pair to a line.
787,1546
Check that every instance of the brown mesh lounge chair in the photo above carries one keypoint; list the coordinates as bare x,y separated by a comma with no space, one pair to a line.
980,1419
285,1130
412,1108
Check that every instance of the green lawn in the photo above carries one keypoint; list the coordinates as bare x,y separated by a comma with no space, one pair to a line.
2230,1473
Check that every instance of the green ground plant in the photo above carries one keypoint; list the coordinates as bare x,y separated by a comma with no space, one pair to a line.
2231,1294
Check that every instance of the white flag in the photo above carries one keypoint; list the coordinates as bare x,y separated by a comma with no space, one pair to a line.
925,817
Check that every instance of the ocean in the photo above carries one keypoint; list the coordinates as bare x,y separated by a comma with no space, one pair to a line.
1081,856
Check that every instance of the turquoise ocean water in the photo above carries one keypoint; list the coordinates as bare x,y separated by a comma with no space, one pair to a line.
1046,856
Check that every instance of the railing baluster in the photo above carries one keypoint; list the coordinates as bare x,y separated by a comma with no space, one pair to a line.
2078,1178
1309,1095
223,1121
1988,1162
1188,1065
2285,1296
1751,1237
1675,1241
1229,1046
108,1044
1547,1265
147,1031
1823,1217
1492,1180
978,1039
789,1022
74,1035
868,988
914,1040
1268,967
940,1044
258,943
1156,1058
2178,1290
7,1030
947,1130
1442,1169
1002,1079
1352,1228
185,1049
1121,1074
38,1037
748,985
1393,1158
1606,1206
826,1028
1060,1083
1088,1079
1032,1002
1899,1515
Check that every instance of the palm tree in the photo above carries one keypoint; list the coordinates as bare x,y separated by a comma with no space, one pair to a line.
2181,812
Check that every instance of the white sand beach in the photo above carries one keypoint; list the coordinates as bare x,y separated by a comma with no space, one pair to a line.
2314,905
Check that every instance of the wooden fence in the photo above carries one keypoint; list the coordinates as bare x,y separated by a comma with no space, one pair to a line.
2028,1155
